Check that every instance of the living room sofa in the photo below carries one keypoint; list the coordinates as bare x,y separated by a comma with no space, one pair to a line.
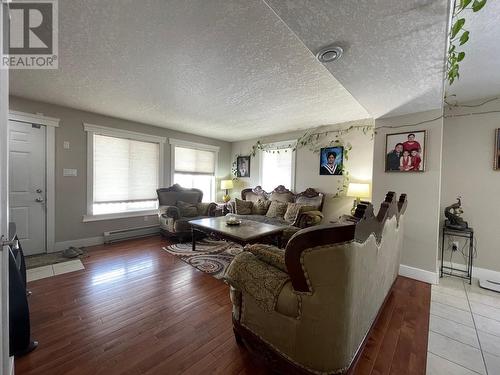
308,308
310,199
178,205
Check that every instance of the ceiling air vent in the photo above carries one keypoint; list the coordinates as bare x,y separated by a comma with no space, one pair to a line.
329,54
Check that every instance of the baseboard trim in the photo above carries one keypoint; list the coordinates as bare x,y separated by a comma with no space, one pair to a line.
81,242
419,274
477,272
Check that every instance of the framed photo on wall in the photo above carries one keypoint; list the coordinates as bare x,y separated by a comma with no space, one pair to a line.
496,162
243,166
405,152
331,161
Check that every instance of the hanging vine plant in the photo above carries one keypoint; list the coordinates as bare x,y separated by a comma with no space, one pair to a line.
459,36
315,141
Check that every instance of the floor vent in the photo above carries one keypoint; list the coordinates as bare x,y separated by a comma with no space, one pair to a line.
127,234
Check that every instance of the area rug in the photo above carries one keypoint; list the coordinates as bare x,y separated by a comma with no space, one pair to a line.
210,256
34,261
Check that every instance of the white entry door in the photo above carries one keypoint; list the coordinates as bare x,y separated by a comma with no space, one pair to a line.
27,184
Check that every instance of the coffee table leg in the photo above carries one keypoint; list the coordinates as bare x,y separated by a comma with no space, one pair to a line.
193,238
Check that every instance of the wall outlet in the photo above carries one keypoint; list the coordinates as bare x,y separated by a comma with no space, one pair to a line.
454,246
66,145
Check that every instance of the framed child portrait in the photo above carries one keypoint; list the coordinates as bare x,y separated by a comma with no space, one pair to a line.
331,161
405,152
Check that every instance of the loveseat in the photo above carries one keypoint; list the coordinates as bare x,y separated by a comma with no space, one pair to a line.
308,308
298,210
178,205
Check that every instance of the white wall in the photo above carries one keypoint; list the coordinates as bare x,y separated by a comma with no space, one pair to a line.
422,219
307,165
468,152
71,195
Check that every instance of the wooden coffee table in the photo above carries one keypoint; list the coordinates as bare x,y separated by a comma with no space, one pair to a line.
247,232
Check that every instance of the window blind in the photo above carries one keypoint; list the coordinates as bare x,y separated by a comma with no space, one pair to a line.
125,170
277,168
193,161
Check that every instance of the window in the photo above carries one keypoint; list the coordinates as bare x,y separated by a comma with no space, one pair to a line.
277,166
194,166
124,171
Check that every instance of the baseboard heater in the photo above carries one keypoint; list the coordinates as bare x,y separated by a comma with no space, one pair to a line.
127,234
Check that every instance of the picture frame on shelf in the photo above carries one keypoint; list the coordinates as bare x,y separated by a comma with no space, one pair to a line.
405,152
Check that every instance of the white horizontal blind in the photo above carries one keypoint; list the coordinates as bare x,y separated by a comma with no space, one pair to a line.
125,170
277,168
193,161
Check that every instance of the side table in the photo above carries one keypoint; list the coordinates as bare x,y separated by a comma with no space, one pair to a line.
468,234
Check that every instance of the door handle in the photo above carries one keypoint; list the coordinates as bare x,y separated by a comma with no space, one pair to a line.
14,244
39,200
39,191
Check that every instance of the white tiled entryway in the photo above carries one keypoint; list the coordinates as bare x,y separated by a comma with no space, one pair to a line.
464,332
53,270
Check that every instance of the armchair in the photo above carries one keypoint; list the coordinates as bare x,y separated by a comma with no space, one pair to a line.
173,213
309,307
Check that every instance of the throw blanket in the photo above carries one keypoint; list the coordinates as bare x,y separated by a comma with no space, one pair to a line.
260,280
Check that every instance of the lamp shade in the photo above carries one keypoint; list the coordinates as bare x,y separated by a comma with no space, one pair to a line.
358,190
226,184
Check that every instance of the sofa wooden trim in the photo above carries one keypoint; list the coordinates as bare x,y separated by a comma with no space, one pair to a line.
309,193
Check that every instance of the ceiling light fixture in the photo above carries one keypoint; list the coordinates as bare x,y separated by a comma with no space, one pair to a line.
329,54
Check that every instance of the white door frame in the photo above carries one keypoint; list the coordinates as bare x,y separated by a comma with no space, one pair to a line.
6,362
51,124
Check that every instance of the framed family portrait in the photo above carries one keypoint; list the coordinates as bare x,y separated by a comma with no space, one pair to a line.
243,166
405,152
331,161
496,161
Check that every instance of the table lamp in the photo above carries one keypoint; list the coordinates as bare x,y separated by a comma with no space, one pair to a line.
358,191
226,185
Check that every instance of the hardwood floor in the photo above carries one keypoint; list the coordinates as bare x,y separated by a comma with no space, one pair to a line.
136,309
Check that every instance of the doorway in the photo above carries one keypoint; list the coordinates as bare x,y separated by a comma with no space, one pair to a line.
27,184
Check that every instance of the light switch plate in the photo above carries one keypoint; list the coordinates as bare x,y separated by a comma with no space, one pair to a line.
70,172
66,145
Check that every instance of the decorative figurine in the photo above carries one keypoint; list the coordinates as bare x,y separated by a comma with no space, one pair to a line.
453,215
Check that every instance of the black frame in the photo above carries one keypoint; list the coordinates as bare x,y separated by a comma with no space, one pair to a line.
247,160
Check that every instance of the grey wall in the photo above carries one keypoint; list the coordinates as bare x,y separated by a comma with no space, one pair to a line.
307,165
422,219
468,152
71,192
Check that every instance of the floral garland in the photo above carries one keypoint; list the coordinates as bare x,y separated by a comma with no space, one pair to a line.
315,141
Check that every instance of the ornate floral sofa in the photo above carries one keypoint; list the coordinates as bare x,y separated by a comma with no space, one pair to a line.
308,308
310,198
173,219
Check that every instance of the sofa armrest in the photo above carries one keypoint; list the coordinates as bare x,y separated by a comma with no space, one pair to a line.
212,208
260,280
308,219
269,254
169,211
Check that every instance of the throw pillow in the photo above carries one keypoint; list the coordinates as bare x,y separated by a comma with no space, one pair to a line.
187,209
277,209
293,211
260,207
243,207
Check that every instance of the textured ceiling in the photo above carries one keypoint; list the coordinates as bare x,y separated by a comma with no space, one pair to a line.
394,49
480,70
225,69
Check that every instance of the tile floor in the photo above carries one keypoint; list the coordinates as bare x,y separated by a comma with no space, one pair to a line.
464,334
54,269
